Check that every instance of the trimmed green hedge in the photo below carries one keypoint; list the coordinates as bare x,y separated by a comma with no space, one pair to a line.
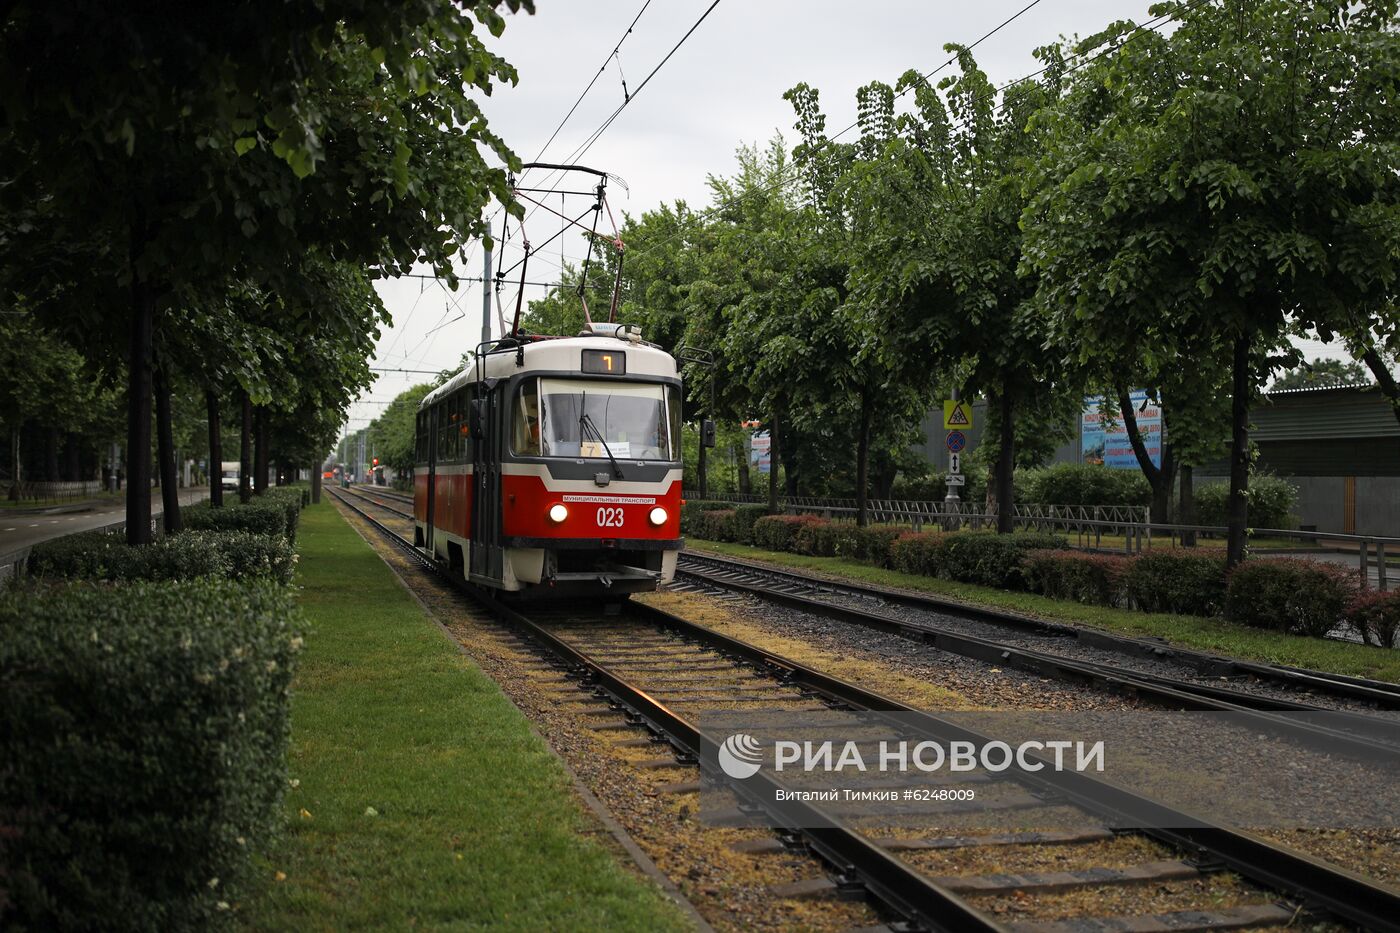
93,555
1288,594
273,513
145,733
1190,582
991,559
776,532
916,553
1095,579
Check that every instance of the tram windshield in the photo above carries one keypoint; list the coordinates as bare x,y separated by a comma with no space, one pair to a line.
584,419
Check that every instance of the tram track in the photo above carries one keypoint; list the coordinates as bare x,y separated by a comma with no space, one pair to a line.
632,663
833,599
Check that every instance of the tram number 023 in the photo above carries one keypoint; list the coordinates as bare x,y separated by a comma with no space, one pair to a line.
606,362
609,517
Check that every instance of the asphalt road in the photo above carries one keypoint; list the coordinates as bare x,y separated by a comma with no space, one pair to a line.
22,530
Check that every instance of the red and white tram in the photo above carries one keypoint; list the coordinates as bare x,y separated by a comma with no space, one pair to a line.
552,466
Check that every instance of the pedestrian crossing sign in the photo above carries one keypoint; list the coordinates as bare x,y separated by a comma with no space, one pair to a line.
956,415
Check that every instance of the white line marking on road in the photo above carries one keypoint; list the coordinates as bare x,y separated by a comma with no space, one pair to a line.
9,529
33,526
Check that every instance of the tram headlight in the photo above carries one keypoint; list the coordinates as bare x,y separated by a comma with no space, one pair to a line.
557,512
658,516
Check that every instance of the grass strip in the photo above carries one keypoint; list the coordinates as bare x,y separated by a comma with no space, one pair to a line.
1199,632
421,797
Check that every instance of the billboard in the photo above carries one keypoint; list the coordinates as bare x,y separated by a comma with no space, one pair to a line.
1102,442
761,452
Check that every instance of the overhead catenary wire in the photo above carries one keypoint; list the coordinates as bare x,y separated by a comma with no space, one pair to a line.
597,133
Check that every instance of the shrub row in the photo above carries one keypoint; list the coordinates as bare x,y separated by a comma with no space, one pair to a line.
275,512
145,732
1301,597
96,556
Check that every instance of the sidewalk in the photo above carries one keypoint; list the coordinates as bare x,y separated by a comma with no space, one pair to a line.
20,529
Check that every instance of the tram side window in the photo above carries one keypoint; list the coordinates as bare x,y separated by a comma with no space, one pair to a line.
422,448
464,432
441,439
525,426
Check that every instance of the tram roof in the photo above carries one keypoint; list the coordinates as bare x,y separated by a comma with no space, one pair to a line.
557,354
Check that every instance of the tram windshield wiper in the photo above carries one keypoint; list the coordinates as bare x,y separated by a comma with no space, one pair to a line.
585,421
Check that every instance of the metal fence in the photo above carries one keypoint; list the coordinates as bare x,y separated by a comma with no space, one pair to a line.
40,492
1089,525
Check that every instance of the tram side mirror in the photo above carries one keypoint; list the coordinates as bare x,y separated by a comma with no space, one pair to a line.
476,419
707,433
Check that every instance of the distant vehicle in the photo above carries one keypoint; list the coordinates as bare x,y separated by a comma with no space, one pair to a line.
229,470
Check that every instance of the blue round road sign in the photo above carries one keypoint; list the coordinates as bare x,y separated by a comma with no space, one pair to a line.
957,440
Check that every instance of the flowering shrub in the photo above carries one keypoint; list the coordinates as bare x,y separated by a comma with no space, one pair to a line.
1376,616
1304,597
1097,579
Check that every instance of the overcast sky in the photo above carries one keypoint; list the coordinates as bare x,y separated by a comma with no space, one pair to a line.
723,87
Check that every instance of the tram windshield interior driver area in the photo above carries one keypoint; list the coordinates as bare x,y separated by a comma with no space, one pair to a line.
582,419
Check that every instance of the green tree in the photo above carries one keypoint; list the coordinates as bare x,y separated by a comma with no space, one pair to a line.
206,133
1322,373
884,407
1228,181
41,378
941,271
394,433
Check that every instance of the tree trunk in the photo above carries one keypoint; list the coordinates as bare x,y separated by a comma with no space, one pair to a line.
1159,478
1006,469
1238,511
245,451
316,483
73,456
165,454
1384,378
51,471
216,450
773,451
260,451
863,460
1186,501
14,463
745,483
138,410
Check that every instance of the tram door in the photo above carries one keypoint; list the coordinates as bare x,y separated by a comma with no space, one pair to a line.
431,499
487,556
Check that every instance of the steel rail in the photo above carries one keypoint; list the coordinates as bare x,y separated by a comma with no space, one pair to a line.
1384,695
1364,735
887,878
1316,883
